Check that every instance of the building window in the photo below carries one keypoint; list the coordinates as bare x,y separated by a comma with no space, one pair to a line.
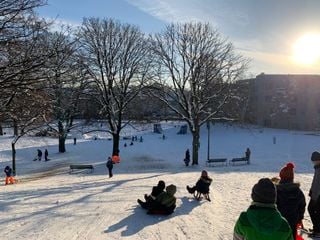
293,111
267,98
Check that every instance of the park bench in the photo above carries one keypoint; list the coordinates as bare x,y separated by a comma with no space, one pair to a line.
242,159
214,161
74,167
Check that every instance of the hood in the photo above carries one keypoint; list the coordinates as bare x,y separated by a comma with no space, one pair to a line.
265,218
288,190
171,189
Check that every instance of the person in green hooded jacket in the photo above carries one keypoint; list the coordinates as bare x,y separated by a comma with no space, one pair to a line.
262,220
165,202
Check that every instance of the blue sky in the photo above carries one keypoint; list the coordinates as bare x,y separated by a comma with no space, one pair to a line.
264,30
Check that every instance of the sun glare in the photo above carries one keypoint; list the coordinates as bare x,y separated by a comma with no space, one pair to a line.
307,49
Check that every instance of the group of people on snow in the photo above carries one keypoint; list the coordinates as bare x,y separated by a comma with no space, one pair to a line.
39,155
278,207
162,199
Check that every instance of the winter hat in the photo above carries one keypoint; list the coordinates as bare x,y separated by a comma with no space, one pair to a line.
286,173
315,156
264,191
161,184
204,173
171,189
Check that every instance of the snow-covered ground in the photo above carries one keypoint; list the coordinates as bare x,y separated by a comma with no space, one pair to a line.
50,203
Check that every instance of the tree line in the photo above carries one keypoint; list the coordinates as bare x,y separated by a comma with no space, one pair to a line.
109,69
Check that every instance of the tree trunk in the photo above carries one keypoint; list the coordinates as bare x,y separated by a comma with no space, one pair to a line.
62,146
15,128
62,138
1,129
13,158
195,146
116,141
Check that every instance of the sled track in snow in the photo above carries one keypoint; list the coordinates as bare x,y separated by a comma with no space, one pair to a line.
54,170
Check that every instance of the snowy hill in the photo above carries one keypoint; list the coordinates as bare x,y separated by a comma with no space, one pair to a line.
50,203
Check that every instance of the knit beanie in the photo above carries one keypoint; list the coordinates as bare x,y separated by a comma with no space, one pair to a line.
161,185
286,173
204,173
264,191
315,156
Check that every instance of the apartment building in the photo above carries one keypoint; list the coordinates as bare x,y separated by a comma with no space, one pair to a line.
285,101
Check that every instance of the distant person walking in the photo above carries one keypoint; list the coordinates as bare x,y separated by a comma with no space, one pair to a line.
39,154
187,158
9,178
110,166
46,155
248,153
74,141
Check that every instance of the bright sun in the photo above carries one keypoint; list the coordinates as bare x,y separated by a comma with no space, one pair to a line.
306,50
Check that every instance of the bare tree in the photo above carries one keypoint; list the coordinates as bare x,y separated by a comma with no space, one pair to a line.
66,82
195,65
26,114
20,32
117,59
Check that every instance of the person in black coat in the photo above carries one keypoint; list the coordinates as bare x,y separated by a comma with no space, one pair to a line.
202,185
46,155
291,201
187,158
39,154
109,165
248,153
156,191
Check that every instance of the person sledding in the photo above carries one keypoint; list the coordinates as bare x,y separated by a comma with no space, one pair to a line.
202,186
9,178
165,202
156,191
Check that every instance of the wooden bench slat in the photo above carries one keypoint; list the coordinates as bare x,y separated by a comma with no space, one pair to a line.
81,166
216,160
243,159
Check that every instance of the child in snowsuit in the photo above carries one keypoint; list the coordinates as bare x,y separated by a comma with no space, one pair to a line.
291,202
156,191
202,186
110,166
262,220
165,202
9,178
314,193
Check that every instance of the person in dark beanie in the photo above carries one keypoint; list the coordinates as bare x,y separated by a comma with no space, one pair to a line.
156,190
262,220
314,194
291,202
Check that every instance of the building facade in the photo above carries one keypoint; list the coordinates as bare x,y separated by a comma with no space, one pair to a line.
285,101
